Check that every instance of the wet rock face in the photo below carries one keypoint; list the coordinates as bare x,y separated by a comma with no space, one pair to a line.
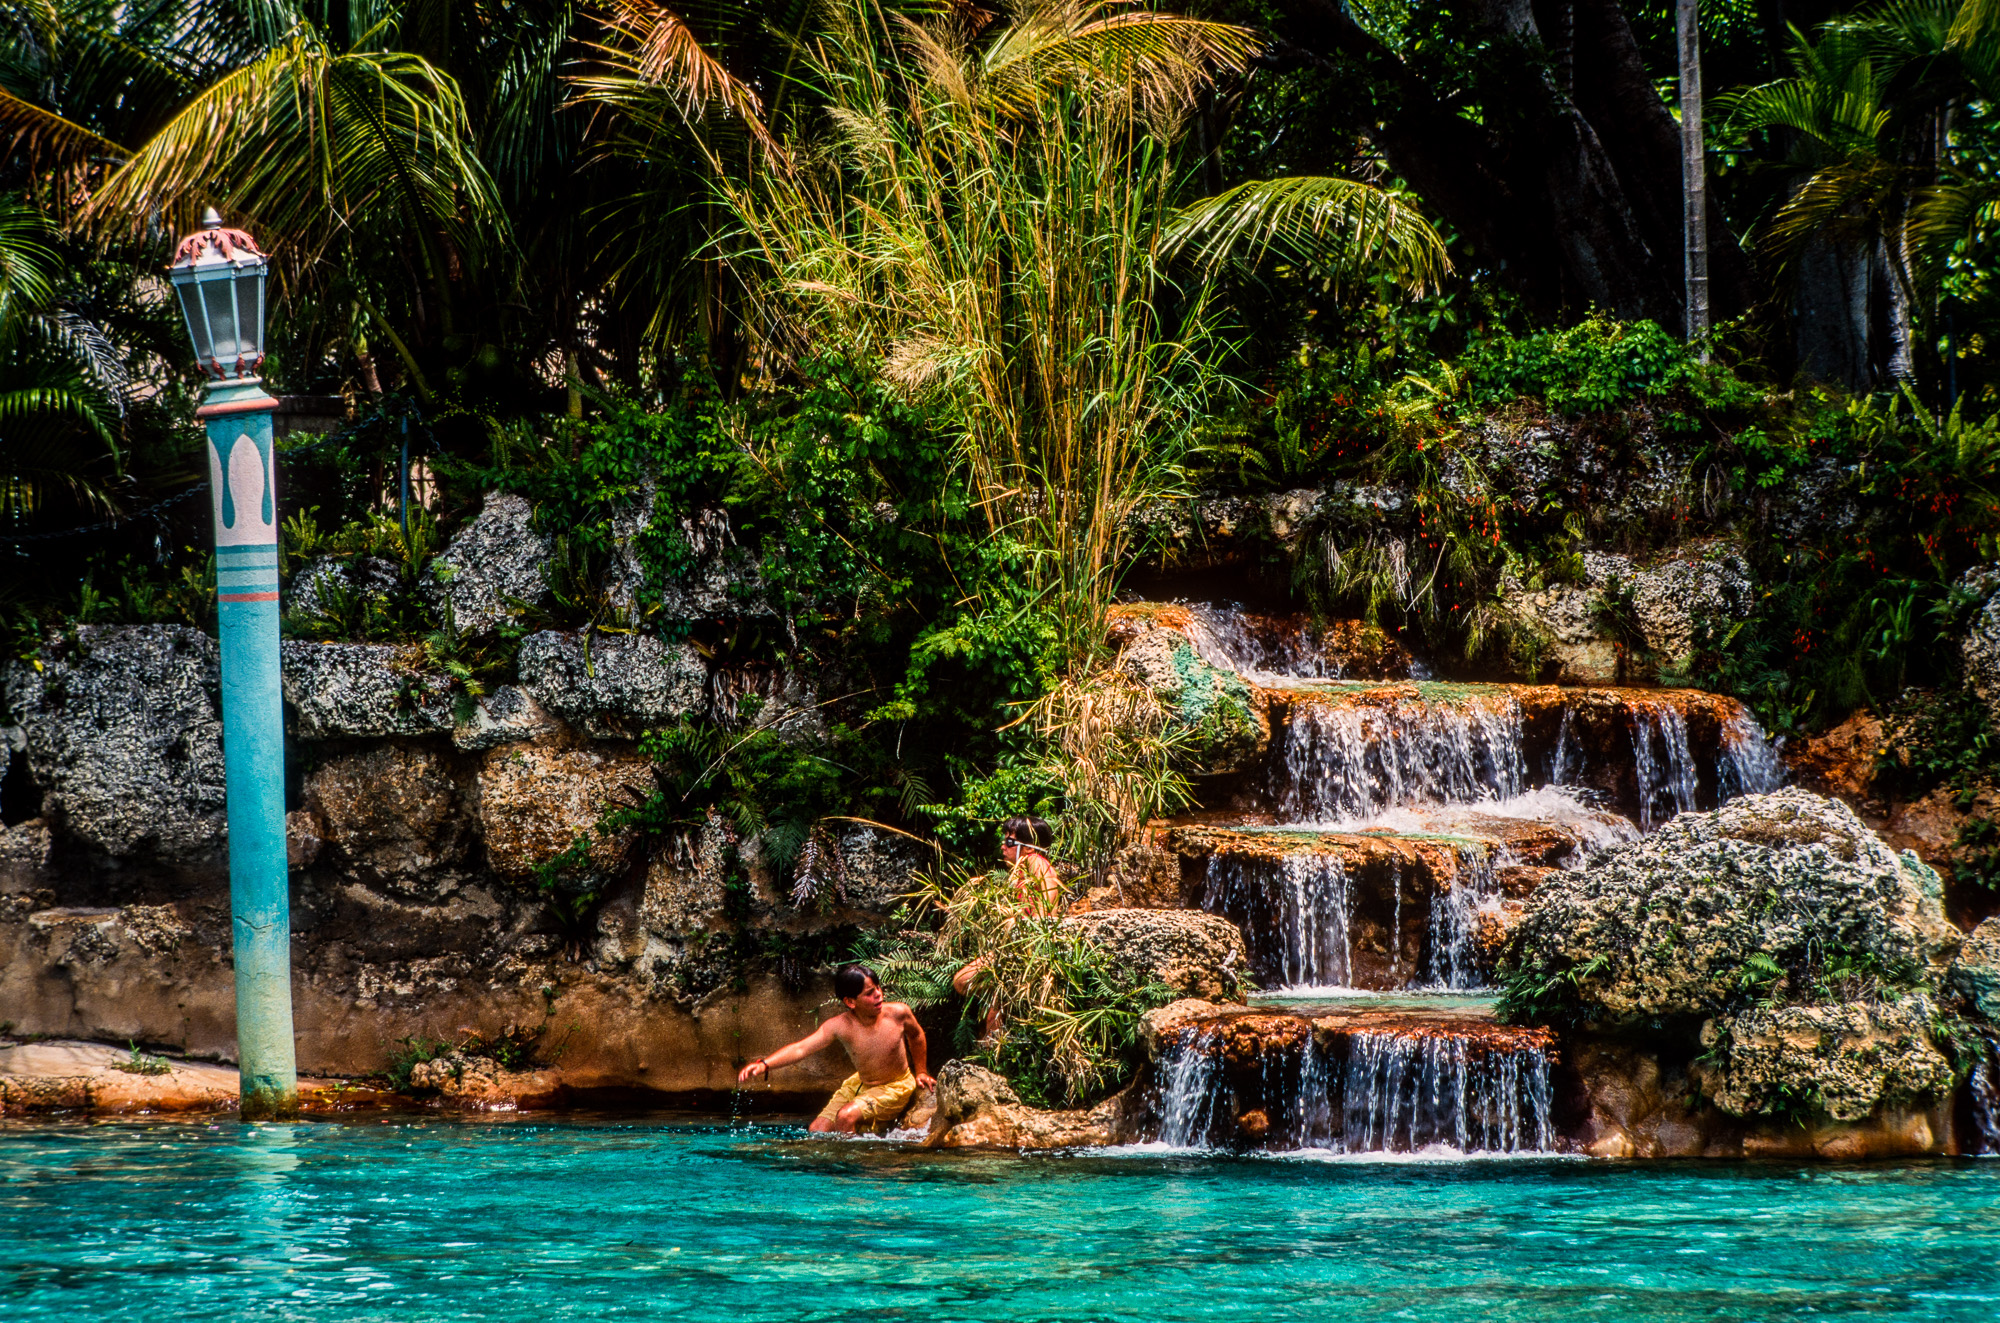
492,562
1841,1061
1976,973
390,814
612,686
1231,728
1200,955
122,730
1672,925
362,690
1981,645
536,799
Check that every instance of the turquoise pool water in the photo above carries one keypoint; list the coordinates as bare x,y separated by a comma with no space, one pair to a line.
622,1219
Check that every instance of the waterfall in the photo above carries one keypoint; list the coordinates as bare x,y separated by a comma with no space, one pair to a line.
1190,1071
1454,920
1297,910
1350,761
1985,1088
1225,636
1364,1090
1567,760
1749,762
1408,1091
1668,779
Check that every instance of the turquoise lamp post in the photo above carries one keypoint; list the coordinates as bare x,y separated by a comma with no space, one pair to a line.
219,275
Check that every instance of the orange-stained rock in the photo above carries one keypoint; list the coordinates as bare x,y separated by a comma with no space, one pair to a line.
1841,762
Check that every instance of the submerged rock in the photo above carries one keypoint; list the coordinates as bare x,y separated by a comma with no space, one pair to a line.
1197,954
979,1109
121,729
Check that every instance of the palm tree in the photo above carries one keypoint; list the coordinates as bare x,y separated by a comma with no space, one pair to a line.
1868,111
62,404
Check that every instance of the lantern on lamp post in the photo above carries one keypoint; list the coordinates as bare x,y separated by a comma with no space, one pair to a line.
219,276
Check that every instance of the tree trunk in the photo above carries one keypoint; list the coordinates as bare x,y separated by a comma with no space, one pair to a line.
1694,170
1568,199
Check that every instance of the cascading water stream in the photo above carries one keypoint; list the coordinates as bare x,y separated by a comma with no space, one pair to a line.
1984,1085
1391,1090
1454,921
1300,908
1342,762
1667,780
1224,636
1750,762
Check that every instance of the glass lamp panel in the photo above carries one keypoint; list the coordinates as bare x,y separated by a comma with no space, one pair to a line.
220,304
197,322
250,314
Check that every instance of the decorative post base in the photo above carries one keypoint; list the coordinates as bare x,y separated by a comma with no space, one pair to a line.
242,466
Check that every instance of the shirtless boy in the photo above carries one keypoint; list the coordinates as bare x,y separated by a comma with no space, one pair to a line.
883,1040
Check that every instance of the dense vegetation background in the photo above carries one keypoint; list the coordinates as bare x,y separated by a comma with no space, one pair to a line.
935,301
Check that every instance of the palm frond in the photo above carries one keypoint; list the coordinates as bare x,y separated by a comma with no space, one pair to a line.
1339,226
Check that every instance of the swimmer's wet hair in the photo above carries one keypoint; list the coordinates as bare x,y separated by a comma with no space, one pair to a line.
852,981
1029,831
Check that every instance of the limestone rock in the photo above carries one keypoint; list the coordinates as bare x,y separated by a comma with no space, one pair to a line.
612,686
1673,924
390,813
68,1076
1981,646
979,1109
1843,1061
1199,954
362,690
305,837
122,731
1976,972
535,800
1702,581
481,1084
880,866
318,586
719,579
506,716
1161,1022
1231,727
1669,599
686,889
493,562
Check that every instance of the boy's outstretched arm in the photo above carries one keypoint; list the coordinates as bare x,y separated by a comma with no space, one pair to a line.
790,1052
918,1049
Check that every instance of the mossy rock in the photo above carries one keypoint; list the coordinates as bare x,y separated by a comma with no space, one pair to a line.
1230,727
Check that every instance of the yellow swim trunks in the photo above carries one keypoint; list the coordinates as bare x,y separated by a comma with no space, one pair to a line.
880,1103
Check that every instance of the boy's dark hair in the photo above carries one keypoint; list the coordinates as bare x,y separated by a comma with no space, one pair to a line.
1029,831
852,981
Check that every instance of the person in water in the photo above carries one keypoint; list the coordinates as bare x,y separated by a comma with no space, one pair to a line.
883,1040
1024,847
